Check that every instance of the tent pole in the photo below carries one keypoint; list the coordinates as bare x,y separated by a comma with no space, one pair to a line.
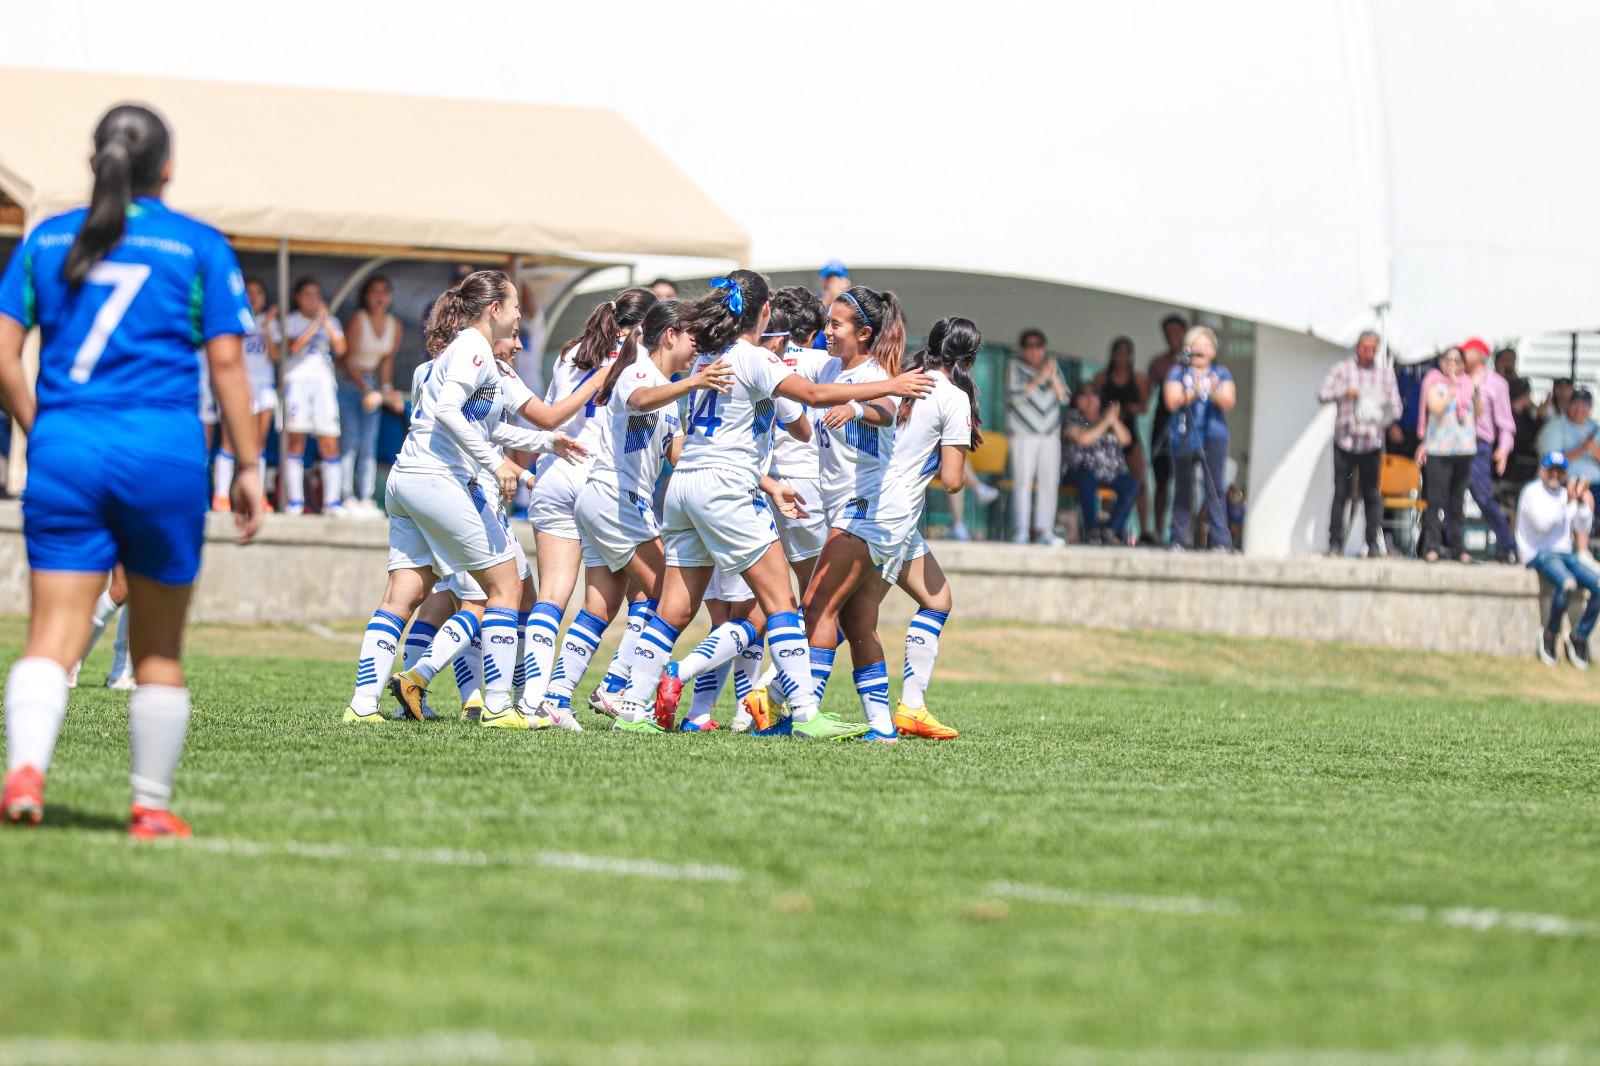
284,298
1572,369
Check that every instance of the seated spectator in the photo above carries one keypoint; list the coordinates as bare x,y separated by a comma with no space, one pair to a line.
1549,511
1555,404
1094,436
1573,435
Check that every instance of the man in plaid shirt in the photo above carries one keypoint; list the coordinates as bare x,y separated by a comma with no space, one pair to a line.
1367,399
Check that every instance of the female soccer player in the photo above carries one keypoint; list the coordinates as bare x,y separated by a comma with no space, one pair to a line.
713,516
311,397
636,426
609,333
123,292
366,373
872,541
261,347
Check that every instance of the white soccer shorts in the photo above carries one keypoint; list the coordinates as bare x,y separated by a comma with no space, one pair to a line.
729,588
612,524
803,538
711,520
311,405
436,520
263,397
555,496
891,545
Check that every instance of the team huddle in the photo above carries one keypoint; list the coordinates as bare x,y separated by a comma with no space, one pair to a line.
785,466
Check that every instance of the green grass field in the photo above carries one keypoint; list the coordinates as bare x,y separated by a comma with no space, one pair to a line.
1144,847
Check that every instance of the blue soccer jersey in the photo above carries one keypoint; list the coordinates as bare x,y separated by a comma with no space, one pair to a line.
126,338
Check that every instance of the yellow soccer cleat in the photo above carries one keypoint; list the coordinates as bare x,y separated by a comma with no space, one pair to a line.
472,711
353,715
917,722
758,705
510,718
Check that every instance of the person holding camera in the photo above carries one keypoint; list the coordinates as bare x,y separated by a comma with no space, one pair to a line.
1199,394
1549,511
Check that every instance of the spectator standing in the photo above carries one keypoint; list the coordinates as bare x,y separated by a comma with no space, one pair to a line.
1199,394
1095,440
664,288
1549,512
372,337
1497,435
311,396
1121,384
1172,328
1573,434
1034,395
1524,465
832,282
1402,436
1449,431
1366,399
1555,404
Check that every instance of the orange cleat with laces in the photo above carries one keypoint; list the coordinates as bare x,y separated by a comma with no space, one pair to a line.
152,823
23,798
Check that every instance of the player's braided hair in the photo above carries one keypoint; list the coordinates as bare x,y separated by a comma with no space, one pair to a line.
459,307
591,348
953,346
131,146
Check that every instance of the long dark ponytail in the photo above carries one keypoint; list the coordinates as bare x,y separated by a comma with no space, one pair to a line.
131,146
712,319
881,312
662,316
953,345
591,348
459,307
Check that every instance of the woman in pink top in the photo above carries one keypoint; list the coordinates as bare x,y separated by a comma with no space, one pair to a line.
1448,425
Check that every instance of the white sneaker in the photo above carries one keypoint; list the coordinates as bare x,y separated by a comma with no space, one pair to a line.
1053,541
72,678
1547,647
294,508
338,510
603,702
958,532
125,683
986,494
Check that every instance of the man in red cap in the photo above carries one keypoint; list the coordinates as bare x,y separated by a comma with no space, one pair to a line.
1497,433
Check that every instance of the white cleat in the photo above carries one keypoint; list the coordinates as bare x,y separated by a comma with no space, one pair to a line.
72,678
605,703
560,717
125,683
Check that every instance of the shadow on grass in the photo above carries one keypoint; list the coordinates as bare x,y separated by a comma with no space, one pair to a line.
57,816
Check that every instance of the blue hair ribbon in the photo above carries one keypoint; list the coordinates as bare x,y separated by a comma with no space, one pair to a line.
734,299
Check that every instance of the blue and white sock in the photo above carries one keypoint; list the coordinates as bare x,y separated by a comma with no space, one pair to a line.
294,480
469,672
519,675
121,661
922,651
577,649
821,669
722,645
748,665
787,640
453,638
651,654
872,685
499,657
379,645
707,690
222,474
332,483
418,637
639,612
539,648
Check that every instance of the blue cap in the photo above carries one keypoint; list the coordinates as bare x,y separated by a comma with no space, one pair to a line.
1550,459
833,269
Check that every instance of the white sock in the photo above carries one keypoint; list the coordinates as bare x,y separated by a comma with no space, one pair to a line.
639,612
332,483
158,723
418,639
721,645
379,645
121,662
539,647
469,672
872,685
261,473
104,608
707,690
519,676
294,480
787,640
499,656
222,474
651,654
577,649
454,637
749,664
922,650
36,705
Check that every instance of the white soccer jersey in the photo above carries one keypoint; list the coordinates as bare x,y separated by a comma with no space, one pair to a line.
794,460
943,416
733,431
854,457
467,365
317,356
565,379
257,363
633,445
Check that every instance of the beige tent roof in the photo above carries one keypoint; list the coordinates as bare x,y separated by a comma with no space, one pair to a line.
322,166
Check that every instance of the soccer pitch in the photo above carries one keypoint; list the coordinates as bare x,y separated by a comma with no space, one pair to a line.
1143,847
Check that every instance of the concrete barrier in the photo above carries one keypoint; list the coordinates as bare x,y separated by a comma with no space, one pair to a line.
310,569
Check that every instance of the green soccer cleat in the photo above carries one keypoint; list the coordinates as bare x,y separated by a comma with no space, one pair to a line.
353,715
647,724
510,718
828,727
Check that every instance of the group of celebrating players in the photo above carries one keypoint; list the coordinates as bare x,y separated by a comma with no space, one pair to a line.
788,466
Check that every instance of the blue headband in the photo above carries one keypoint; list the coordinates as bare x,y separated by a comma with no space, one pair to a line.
734,298
861,310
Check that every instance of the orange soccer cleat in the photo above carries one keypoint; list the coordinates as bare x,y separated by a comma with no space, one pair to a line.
758,705
152,823
23,799
917,722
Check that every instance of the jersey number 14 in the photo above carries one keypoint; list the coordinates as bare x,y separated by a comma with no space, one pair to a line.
704,416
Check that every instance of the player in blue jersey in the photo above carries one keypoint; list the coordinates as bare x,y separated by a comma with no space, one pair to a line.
123,293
